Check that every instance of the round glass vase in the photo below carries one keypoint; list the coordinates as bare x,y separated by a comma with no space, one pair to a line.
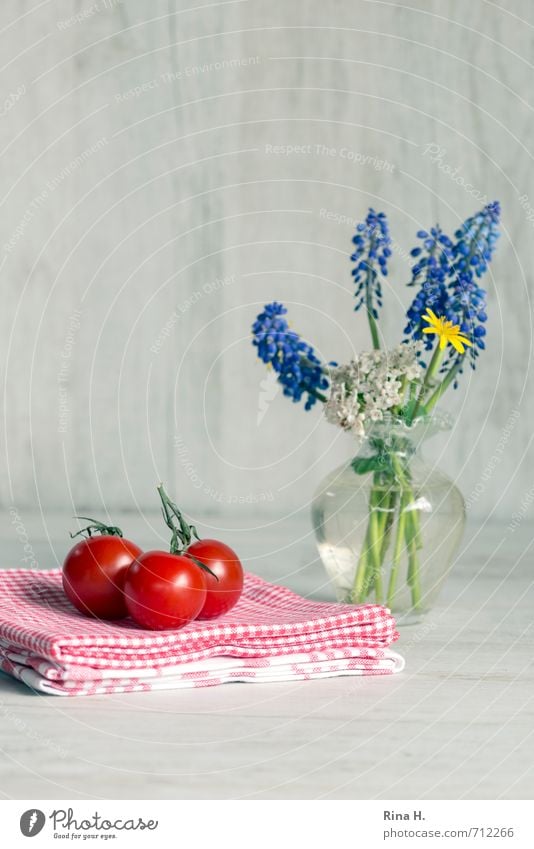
388,524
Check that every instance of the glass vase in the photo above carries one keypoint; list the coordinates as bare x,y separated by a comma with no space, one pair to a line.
388,524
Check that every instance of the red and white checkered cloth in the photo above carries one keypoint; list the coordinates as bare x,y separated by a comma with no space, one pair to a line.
271,635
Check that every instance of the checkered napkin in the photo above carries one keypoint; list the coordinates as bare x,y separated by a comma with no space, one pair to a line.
271,635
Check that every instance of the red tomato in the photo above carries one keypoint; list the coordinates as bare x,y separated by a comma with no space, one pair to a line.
94,572
164,590
223,594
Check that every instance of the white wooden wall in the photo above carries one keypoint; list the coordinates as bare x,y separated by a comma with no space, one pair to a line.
147,216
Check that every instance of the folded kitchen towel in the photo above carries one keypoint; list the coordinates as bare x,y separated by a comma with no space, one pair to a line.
271,635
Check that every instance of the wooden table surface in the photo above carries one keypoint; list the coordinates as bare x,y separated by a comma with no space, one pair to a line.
458,723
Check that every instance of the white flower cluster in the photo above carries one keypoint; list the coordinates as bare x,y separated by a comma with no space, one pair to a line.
368,386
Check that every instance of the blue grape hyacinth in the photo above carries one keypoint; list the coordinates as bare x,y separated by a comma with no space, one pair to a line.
448,273
430,273
299,370
472,253
371,253
449,303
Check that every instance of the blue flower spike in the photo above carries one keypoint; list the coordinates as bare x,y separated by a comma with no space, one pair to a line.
430,273
299,370
372,249
447,275
473,251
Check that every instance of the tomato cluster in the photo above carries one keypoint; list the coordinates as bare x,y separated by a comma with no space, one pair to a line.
109,577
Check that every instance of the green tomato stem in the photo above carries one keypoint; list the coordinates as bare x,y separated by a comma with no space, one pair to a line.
182,533
98,527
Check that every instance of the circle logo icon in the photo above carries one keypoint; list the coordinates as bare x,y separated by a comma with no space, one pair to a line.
32,822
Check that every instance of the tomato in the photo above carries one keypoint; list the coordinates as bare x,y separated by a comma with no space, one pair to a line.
164,590
224,593
94,572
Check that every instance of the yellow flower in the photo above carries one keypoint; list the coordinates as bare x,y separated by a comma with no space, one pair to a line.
447,332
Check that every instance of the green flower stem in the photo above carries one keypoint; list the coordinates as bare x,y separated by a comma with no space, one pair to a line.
375,540
400,473
402,392
373,326
385,514
358,590
390,494
368,572
431,372
410,546
371,548
412,531
417,531
413,570
314,393
443,386
413,543
397,551
388,523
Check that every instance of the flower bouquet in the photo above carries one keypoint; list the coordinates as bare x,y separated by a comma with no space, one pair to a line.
388,524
